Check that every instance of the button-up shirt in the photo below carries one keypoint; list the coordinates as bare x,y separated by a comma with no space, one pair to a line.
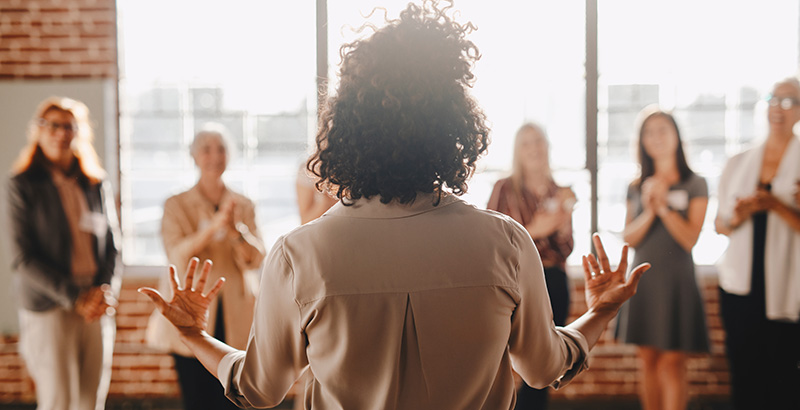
392,306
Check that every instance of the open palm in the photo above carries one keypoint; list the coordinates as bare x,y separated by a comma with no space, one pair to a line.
188,309
608,289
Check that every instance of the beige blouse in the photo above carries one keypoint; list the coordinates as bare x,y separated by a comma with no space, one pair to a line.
184,215
394,306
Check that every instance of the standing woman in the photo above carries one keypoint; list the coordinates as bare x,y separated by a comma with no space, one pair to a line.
759,275
666,319
531,197
64,223
211,222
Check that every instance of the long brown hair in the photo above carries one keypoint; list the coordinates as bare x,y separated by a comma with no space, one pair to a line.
81,146
646,162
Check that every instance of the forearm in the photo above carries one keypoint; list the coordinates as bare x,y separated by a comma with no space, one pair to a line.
681,230
637,229
208,350
789,215
191,245
592,324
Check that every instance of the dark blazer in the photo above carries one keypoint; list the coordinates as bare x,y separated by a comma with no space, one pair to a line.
42,245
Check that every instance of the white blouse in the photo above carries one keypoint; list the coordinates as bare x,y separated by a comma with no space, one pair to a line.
393,306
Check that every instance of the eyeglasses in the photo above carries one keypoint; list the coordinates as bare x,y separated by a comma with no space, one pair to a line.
54,126
785,102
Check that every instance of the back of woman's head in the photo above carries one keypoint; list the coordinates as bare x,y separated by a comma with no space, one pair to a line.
402,121
81,144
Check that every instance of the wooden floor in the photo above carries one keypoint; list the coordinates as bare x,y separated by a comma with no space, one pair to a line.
165,404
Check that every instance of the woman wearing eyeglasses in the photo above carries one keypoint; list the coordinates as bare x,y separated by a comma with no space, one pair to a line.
64,221
759,275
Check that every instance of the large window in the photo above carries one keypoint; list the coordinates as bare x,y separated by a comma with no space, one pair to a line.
709,62
243,64
251,66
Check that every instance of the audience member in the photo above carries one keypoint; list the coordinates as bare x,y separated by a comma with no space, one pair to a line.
759,274
213,222
64,225
531,197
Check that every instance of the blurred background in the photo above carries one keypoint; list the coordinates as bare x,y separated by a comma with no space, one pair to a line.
152,72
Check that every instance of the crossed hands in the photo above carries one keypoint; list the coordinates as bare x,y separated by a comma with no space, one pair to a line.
188,309
606,289
95,302
745,207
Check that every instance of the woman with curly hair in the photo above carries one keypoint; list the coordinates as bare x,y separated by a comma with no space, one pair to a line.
402,296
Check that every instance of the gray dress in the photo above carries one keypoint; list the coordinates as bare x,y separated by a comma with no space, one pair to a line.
667,310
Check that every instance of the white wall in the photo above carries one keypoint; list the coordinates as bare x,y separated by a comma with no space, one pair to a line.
18,100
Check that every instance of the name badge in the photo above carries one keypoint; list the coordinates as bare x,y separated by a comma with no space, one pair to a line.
94,223
678,200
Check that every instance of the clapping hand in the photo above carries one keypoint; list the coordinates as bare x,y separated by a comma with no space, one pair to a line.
95,302
188,309
606,289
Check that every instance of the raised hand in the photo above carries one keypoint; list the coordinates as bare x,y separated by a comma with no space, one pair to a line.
188,309
606,289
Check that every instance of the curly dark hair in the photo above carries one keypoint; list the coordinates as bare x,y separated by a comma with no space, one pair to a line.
402,121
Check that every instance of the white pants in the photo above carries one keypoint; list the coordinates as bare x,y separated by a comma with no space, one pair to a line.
68,359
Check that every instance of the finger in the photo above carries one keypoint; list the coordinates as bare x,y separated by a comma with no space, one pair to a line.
156,297
623,260
601,252
637,273
217,286
174,282
201,281
587,270
190,270
595,266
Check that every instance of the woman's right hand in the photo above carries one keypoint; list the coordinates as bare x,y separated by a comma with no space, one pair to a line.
607,289
188,309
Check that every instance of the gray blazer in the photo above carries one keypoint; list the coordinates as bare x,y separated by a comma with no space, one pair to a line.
41,239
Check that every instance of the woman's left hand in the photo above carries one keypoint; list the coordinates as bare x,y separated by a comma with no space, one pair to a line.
188,309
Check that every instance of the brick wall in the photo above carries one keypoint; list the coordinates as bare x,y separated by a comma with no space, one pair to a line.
613,366
42,39
139,372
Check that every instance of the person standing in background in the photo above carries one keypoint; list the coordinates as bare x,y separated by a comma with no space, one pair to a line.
759,274
64,227
666,318
531,197
210,221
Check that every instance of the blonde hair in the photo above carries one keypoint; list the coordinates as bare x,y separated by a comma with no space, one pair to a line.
516,164
81,144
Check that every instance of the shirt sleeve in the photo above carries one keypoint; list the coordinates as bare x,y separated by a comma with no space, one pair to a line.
542,353
275,357
698,188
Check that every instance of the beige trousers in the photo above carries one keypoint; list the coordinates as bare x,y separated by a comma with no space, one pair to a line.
68,359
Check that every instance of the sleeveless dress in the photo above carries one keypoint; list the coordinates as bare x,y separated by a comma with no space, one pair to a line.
667,310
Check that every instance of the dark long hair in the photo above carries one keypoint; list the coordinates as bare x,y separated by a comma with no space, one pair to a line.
402,121
646,162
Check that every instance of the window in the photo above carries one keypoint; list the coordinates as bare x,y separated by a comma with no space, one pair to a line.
243,65
708,62
251,66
